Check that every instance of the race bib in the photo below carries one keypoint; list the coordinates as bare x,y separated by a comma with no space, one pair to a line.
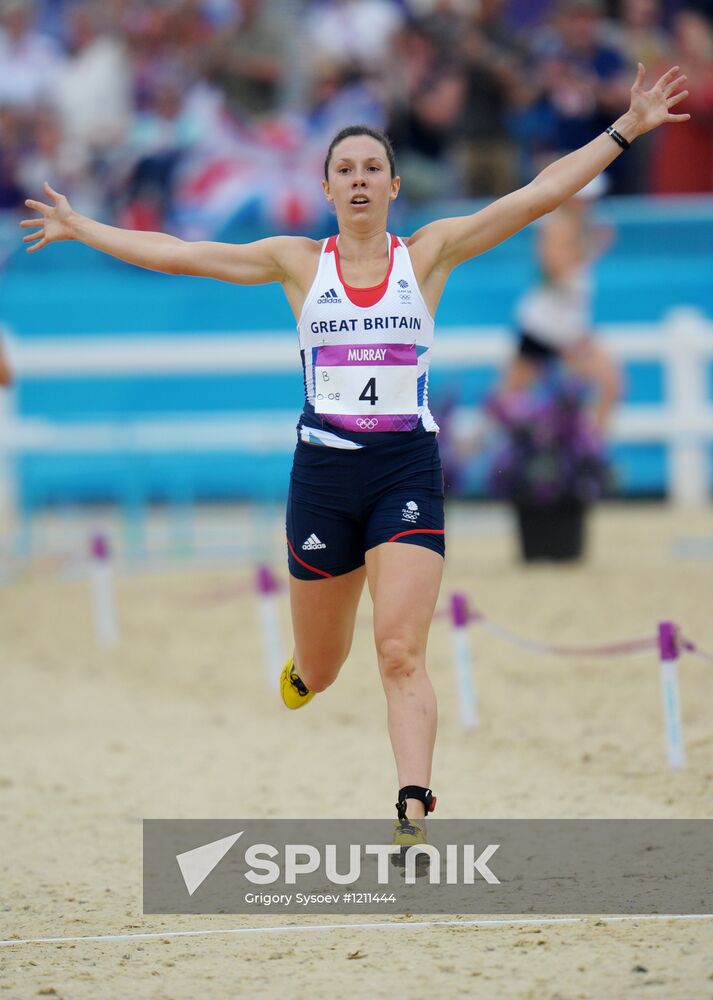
367,387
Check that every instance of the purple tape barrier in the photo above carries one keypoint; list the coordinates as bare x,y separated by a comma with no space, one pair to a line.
624,648
669,642
690,647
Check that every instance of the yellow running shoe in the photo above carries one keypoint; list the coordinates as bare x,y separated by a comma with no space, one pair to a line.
408,833
411,832
294,691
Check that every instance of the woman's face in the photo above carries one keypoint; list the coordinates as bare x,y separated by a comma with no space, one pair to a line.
360,185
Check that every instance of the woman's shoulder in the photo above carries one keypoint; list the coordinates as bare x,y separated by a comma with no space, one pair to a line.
298,253
301,245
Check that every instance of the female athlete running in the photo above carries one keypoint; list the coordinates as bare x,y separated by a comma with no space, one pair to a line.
366,497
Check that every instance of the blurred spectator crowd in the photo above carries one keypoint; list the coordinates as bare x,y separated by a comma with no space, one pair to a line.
182,114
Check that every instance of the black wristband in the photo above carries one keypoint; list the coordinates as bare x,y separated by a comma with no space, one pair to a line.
618,137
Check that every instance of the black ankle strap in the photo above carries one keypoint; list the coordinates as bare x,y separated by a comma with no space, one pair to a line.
424,795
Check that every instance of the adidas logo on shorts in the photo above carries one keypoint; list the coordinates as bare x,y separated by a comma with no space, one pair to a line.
313,543
329,298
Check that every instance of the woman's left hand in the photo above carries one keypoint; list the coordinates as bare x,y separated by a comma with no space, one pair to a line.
652,108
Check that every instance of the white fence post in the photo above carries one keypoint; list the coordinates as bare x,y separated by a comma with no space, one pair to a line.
267,588
463,663
101,581
689,335
670,696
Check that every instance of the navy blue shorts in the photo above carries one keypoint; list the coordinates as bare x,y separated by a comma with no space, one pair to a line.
343,502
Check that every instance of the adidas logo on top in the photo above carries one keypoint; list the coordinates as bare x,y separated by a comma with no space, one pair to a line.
313,543
329,298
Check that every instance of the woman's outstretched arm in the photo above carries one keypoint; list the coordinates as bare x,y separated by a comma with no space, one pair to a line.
246,264
452,241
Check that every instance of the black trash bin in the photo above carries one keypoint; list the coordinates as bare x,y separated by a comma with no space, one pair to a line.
555,532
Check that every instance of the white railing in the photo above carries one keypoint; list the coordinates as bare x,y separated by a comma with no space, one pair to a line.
682,343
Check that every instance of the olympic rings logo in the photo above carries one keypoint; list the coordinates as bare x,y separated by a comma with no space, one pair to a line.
367,423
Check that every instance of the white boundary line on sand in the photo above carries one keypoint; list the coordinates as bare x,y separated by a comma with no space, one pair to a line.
381,925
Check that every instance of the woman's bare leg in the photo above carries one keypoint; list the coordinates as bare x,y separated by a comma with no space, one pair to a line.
323,617
404,580
593,363
520,374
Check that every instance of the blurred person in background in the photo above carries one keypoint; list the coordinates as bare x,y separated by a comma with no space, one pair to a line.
684,164
640,36
12,126
427,92
161,134
445,21
555,316
494,62
30,60
340,94
348,57
355,32
639,33
246,59
51,14
49,153
163,42
93,91
581,82
30,63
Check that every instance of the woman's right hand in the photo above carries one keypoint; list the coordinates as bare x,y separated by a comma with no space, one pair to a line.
54,223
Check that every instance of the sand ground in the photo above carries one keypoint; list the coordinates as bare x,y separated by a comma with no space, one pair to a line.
177,720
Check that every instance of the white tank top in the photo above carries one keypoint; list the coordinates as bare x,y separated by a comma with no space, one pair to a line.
365,353
558,313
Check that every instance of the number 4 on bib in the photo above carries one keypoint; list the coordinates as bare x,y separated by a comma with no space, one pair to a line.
351,371
368,393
